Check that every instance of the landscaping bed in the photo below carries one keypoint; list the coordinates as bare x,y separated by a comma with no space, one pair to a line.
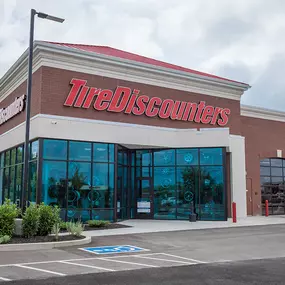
105,227
41,239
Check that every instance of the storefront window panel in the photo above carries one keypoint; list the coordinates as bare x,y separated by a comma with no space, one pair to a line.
103,185
111,153
55,149
106,215
20,153
13,156
33,182
54,183
144,171
34,150
6,183
164,193
143,158
212,200
100,152
277,180
164,157
7,158
265,162
211,156
12,184
2,160
79,151
265,180
187,157
19,179
1,184
79,189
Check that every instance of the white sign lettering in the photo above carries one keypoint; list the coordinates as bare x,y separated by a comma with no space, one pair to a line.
12,110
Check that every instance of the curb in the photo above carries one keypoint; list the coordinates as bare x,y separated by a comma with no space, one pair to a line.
43,245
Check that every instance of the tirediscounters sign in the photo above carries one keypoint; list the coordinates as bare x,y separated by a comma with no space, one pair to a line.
12,110
123,99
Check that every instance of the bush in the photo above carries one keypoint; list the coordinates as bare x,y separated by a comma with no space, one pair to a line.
56,230
75,229
46,219
5,239
63,225
31,221
8,214
97,223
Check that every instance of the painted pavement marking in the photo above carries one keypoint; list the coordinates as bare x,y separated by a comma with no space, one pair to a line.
167,260
4,279
39,269
127,262
113,249
88,266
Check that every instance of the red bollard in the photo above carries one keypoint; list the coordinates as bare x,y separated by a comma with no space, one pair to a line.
266,208
234,206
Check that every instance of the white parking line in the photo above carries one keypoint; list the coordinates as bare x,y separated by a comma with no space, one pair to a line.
85,265
127,262
5,279
185,258
38,269
167,260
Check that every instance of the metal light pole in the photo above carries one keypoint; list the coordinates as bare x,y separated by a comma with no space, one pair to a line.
28,98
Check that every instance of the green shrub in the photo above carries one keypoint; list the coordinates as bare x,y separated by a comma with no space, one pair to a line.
8,214
56,230
75,229
98,223
5,239
63,225
46,220
31,221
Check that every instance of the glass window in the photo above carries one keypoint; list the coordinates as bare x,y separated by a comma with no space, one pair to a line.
103,185
276,162
33,181
111,152
265,162
212,193
34,150
7,158
13,156
276,171
20,154
277,180
19,177
55,149
187,156
100,152
54,183
264,180
265,171
164,157
79,151
106,215
6,183
1,184
1,160
211,156
143,158
12,184
79,185
144,171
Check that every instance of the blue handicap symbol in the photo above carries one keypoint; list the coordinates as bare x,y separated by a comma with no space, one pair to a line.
112,249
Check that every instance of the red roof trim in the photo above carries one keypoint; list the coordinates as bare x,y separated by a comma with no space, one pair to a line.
109,51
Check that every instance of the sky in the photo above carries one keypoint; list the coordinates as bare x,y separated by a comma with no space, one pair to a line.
242,40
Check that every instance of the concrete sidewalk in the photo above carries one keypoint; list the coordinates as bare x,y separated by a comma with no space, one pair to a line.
152,226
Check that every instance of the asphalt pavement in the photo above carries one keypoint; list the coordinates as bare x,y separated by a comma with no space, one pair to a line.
237,255
270,271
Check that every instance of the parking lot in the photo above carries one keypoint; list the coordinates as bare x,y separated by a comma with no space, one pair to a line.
159,251
46,269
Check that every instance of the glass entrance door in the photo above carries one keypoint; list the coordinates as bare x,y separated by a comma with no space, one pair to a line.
144,197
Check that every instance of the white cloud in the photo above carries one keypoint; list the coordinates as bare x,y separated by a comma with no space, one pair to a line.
239,39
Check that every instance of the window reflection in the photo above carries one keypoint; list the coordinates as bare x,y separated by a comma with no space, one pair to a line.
55,149
79,151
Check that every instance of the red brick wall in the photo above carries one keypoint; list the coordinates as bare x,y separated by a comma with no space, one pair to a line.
262,139
35,103
56,86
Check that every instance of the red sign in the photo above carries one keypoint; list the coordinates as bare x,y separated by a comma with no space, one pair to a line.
123,99
12,110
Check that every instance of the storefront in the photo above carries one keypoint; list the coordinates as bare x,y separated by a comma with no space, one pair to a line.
116,136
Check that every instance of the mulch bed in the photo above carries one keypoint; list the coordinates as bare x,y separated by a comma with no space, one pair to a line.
108,227
38,239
